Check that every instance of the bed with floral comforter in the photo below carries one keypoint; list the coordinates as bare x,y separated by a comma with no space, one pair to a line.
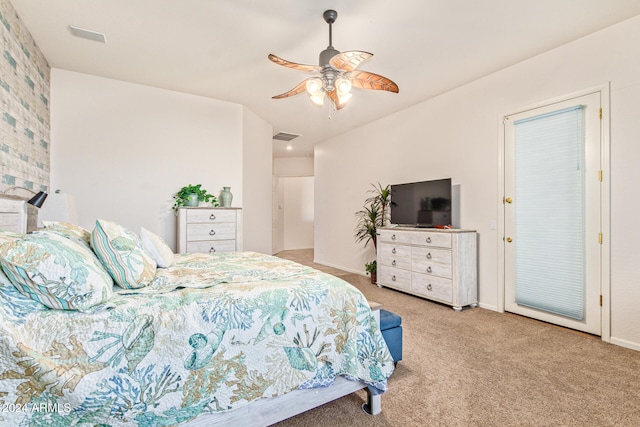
210,333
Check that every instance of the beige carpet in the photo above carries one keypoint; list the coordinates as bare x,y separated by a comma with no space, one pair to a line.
482,368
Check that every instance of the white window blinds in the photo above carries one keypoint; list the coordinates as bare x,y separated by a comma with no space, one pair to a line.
549,203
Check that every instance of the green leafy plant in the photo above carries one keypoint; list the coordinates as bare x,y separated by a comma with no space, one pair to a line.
371,267
182,196
373,214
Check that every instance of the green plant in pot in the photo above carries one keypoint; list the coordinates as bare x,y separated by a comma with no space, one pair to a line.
372,269
192,195
373,215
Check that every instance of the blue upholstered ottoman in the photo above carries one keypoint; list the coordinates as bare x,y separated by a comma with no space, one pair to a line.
390,326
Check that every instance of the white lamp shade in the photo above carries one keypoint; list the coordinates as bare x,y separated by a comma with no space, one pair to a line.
59,207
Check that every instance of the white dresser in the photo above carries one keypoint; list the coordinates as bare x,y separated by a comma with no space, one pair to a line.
209,230
17,215
441,265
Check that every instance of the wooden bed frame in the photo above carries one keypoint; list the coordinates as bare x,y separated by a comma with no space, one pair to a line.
264,412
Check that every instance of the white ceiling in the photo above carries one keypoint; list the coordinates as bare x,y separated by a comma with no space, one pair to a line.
219,48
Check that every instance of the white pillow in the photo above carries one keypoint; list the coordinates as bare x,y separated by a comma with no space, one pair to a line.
160,251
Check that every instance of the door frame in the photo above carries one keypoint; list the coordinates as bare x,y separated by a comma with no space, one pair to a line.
605,200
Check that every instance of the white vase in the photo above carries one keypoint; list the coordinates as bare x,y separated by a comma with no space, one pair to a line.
226,197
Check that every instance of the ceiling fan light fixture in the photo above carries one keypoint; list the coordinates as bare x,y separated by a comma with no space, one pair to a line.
314,86
344,98
317,99
343,86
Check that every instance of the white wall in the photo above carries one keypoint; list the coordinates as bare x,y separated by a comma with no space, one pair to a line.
298,212
293,166
457,135
124,149
257,169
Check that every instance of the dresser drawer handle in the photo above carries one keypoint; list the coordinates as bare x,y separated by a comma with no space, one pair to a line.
212,217
429,255
393,237
212,250
429,269
428,239
393,277
429,287
393,262
393,251
212,233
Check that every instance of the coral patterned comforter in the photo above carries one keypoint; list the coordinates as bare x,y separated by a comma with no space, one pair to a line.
210,334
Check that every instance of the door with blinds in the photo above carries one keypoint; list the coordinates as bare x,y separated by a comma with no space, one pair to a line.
552,202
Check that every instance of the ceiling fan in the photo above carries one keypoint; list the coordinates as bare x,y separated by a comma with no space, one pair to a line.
336,73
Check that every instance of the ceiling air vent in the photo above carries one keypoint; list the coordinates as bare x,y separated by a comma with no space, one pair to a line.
87,34
284,136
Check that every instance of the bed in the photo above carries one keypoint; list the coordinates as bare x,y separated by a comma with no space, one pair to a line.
111,328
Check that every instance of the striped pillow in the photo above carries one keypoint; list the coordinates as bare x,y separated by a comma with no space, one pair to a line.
56,272
122,254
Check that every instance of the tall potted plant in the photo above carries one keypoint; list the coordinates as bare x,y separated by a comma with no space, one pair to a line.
374,214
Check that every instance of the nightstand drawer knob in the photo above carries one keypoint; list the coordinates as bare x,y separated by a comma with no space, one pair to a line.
393,278
393,262
429,287
212,233
428,239
393,237
393,251
429,255
212,217
212,250
429,269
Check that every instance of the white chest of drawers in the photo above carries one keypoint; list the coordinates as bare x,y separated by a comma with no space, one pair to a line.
440,265
209,230
17,215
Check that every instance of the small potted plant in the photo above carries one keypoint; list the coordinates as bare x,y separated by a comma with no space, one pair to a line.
372,270
192,195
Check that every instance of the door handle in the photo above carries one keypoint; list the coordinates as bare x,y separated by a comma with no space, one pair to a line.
508,200
509,240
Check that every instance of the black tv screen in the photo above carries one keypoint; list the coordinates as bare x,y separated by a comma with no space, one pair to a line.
422,204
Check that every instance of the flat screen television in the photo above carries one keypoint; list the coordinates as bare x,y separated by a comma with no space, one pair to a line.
422,204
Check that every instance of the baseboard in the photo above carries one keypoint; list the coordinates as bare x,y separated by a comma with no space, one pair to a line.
625,343
487,306
340,267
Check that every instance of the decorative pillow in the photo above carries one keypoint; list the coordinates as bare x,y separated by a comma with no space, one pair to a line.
56,272
122,254
70,231
158,249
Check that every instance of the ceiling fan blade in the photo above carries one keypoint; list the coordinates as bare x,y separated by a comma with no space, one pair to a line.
367,80
301,87
349,60
301,67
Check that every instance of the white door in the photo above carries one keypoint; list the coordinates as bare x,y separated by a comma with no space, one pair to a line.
552,219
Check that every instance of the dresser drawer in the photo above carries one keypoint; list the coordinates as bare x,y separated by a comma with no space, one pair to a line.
210,216
442,256
393,236
222,231
429,267
397,262
394,277
432,287
211,246
397,251
442,240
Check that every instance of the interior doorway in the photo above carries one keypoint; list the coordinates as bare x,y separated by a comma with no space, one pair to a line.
293,213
